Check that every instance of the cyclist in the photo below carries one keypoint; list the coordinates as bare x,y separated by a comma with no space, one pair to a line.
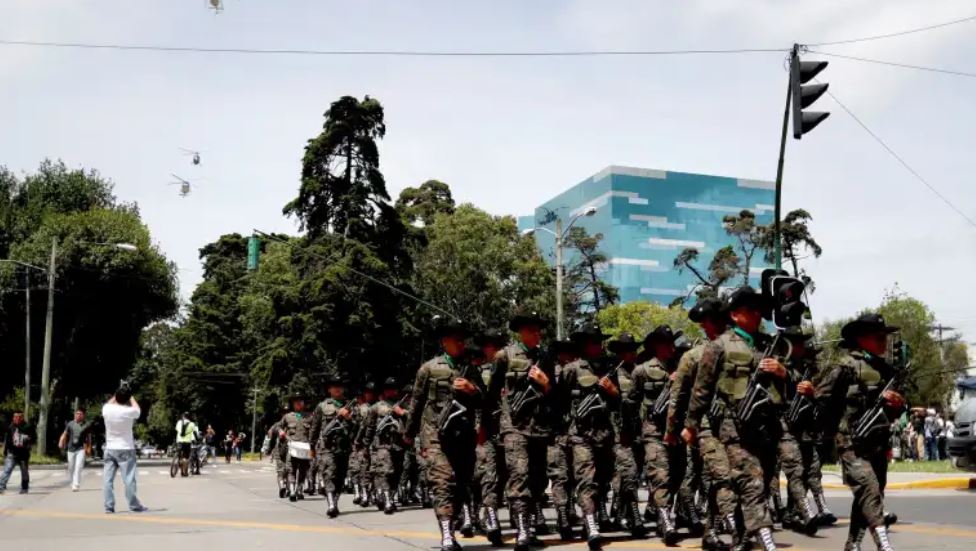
186,434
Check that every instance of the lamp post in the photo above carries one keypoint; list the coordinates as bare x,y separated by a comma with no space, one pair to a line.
27,334
45,401
560,235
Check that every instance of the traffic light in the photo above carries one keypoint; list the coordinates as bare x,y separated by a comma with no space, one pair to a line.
785,295
253,253
804,95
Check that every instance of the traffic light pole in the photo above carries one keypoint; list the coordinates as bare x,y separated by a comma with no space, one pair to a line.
779,174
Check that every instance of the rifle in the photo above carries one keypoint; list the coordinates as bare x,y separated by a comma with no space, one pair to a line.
593,401
388,421
452,422
334,425
757,401
660,409
529,396
876,418
802,409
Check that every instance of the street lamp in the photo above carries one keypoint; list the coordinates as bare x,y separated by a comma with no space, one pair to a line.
45,402
560,235
27,333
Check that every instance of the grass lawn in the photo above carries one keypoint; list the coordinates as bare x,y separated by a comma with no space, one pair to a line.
913,467
46,460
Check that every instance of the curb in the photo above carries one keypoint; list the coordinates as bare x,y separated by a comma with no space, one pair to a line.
958,483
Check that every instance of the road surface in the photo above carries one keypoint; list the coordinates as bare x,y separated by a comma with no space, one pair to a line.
235,507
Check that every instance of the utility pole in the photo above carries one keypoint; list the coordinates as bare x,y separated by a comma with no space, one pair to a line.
779,177
939,328
559,278
254,420
45,403
27,349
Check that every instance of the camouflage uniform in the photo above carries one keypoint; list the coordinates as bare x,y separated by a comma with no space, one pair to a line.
452,459
526,434
490,469
332,448
359,456
626,425
651,380
722,380
385,445
296,426
851,387
279,454
591,435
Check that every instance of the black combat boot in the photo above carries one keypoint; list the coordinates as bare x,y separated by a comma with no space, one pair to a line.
539,520
563,524
300,490
282,490
776,510
825,517
425,501
711,542
467,524
880,535
692,520
805,521
367,496
665,527
448,543
635,522
357,494
522,537
890,518
764,537
649,513
389,505
592,529
332,502
854,537
292,493
493,530
606,523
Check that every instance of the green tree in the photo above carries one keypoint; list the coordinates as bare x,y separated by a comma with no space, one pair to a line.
342,188
724,266
586,292
797,243
750,237
419,206
641,317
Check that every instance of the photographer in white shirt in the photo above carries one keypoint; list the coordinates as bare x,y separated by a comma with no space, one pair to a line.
120,450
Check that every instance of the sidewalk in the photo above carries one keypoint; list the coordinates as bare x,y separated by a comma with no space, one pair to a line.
908,481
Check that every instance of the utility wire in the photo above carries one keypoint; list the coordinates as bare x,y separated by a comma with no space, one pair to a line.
895,34
361,274
902,161
387,53
896,64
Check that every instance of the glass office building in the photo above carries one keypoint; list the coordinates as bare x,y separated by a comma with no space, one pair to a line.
647,217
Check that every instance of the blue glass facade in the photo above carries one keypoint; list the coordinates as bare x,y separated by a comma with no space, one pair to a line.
647,217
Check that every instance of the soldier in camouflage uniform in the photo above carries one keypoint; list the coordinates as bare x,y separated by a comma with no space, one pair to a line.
359,458
442,414
722,381
710,315
383,430
294,427
800,369
332,431
664,465
279,454
587,394
687,509
490,470
559,456
522,382
851,387
625,418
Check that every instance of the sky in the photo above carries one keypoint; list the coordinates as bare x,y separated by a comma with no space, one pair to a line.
509,133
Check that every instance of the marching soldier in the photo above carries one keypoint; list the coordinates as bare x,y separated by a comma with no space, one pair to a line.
383,435
711,316
522,382
491,471
588,394
688,511
626,423
722,381
293,437
442,414
851,387
279,454
331,431
560,453
359,457
664,465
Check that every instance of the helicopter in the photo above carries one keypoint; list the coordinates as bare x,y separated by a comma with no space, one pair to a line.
195,155
184,185
216,5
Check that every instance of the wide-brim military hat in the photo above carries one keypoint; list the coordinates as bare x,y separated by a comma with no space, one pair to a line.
390,382
866,323
564,346
707,308
335,379
588,332
624,343
661,333
525,318
451,327
747,297
491,336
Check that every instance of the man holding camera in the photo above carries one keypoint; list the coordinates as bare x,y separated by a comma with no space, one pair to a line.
120,450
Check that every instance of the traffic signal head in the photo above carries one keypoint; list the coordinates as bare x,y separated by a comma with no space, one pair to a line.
804,96
785,294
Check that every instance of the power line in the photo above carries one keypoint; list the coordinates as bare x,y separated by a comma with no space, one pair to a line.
899,33
386,53
902,161
896,64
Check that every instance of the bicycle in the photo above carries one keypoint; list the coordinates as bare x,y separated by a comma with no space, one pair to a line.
174,465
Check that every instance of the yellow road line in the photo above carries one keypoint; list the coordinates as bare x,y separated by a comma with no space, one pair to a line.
956,483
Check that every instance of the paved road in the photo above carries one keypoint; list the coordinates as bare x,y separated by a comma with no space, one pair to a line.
234,507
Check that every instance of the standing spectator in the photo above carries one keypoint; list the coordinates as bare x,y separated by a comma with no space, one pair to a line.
228,445
17,442
239,446
76,442
120,450
896,438
931,436
918,431
940,426
209,439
